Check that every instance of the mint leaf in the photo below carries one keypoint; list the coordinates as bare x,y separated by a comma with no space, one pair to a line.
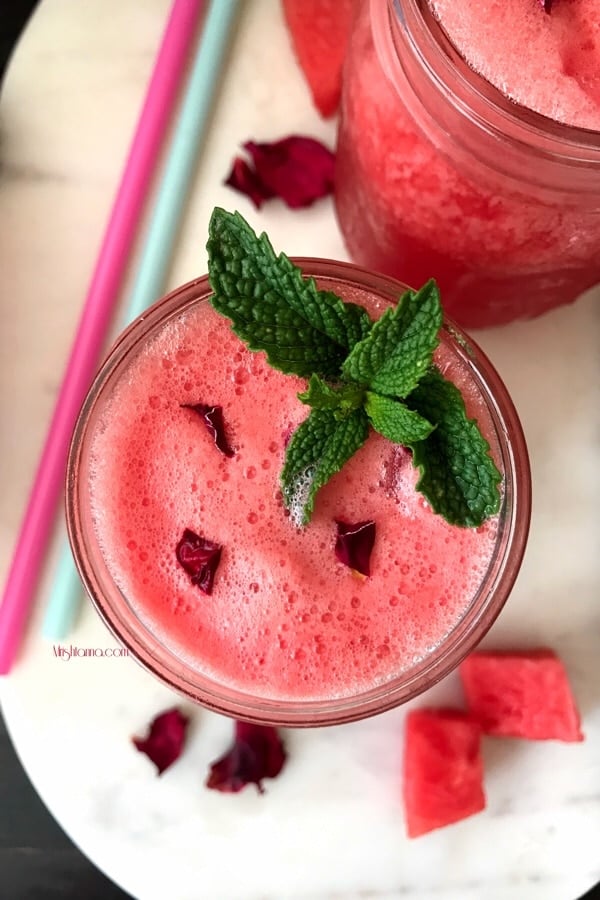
273,308
395,421
398,350
343,399
457,475
318,449
360,373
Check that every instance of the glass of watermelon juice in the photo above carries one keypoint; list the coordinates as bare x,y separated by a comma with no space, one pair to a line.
469,150
289,635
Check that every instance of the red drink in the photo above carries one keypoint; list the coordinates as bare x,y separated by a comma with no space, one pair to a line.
439,173
289,633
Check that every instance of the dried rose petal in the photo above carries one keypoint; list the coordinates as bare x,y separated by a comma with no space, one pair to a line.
212,416
245,180
354,544
200,559
297,169
165,740
257,752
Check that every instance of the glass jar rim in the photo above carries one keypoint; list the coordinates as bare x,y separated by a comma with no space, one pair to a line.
570,154
157,658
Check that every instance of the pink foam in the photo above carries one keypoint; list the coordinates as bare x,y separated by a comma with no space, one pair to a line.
284,615
549,63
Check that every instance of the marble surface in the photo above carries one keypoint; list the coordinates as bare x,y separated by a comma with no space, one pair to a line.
332,824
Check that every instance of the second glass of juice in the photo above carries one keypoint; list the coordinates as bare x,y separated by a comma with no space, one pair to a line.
289,634
469,150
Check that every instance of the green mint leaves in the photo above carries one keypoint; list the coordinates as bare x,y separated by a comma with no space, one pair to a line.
318,449
342,399
398,349
457,475
395,421
360,373
273,308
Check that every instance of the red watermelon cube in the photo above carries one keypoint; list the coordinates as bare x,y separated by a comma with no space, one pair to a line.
320,30
521,694
443,769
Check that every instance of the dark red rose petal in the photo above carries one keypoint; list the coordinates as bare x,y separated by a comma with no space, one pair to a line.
297,169
245,180
165,740
200,559
212,416
257,752
354,544
546,5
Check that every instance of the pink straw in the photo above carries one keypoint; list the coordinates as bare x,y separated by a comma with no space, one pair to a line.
94,323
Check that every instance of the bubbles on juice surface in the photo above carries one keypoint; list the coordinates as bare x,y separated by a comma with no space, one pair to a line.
548,63
285,617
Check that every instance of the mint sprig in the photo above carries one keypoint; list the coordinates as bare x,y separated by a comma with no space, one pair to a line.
273,308
318,449
395,421
457,474
399,347
360,374
342,398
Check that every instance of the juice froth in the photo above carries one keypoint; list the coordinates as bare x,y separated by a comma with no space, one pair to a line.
548,63
285,619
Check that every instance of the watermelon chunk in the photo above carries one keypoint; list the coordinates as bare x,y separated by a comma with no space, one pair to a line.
443,769
320,30
521,694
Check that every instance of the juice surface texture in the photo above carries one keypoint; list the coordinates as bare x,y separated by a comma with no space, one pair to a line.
285,618
558,74
489,204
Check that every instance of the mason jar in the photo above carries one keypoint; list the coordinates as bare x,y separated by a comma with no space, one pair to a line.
439,174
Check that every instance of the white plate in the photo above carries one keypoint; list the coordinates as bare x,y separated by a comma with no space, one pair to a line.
332,824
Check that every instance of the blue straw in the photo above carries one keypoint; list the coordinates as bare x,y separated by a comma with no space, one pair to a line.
157,252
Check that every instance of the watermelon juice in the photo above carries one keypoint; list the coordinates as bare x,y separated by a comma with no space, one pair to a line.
289,634
469,150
